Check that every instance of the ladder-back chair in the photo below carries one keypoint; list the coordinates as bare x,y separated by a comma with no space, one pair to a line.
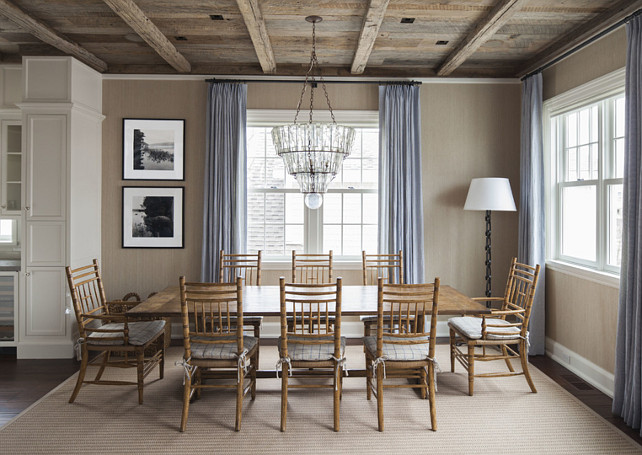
248,267
106,332
505,328
402,348
215,347
387,266
310,347
311,268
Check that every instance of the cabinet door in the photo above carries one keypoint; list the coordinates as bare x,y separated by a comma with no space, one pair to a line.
45,243
11,146
46,177
45,298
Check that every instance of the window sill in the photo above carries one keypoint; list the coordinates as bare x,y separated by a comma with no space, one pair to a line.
599,277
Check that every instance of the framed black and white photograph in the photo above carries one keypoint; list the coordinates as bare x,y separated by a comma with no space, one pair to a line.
153,149
152,217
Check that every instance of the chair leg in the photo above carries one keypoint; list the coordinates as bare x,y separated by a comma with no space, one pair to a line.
140,364
239,399
199,381
368,377
81,374
103,364
431,396
254,365
471,368
523,355
187,389
161,366
366,328
452,351
380,397
423,382
508,364
257,335
284,395
337,398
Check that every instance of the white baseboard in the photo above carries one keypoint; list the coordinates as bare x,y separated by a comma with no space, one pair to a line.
351,327
62,350
595,375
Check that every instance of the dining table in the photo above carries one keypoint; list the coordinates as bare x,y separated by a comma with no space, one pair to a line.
265,301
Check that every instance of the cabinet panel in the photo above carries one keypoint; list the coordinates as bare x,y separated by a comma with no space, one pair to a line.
46,167
45,243
45,297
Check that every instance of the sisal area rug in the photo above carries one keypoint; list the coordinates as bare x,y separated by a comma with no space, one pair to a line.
503,417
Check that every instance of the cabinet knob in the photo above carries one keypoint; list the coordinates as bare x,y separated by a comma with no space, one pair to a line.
27,273
27,208
3,206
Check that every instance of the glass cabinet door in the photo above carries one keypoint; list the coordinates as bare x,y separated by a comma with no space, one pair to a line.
11,167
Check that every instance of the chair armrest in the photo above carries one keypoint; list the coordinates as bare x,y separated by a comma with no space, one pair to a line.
107,317
506,312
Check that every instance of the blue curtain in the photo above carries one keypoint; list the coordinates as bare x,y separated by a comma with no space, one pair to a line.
225,199
401,218
627,399
532,224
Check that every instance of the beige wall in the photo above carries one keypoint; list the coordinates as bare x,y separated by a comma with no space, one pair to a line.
468,130
582,315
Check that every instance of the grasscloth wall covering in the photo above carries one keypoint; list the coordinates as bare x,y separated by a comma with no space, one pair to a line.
468,130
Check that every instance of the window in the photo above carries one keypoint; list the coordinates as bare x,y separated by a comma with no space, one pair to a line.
8,232
587,166
279,222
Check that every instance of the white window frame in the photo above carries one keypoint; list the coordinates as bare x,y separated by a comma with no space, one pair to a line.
592,92
314,235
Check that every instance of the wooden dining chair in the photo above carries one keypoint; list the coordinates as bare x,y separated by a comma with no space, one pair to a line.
215,346
401,348
505,328
311,268
387,266
108,332
311,347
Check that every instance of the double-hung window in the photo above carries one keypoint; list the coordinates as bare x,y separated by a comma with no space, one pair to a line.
279,221
586,163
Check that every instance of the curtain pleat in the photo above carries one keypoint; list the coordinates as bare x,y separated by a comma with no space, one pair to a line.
532,223
401,219
225,198
627,399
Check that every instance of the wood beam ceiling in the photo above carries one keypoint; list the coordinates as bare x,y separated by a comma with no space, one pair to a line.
581,34
483,31
48,35
136,19
369,31
255,24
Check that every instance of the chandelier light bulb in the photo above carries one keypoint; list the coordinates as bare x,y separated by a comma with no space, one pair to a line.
313,200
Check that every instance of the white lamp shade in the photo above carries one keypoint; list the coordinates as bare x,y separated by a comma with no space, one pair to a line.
490,194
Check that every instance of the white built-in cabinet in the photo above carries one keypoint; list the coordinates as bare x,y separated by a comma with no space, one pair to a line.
61,180
11,166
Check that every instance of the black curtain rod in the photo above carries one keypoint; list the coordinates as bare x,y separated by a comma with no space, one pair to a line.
584,44
296,81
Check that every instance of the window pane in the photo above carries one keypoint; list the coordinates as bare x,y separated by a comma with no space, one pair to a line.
294,208
332,208
615,225
352,240
370,238
294,237
370,208
594,162
6,231
571,165
332,239
351,172
255,172
256,142
352,208
585,124
619,117
571,130
584,171
275,208
579,222
371,144
619,158
594,123
275,173
255,222
274,240
370,173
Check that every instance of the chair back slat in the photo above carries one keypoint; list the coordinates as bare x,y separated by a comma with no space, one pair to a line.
247,266
311,268
520,291
310,307
387,266
401,313
211,312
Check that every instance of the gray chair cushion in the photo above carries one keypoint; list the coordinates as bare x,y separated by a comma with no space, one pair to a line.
139,333
399,351
220,351
471,327
311,352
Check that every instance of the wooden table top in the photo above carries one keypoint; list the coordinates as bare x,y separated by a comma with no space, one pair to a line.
264,301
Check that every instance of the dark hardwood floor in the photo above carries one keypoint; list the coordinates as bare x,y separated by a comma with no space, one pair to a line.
23,382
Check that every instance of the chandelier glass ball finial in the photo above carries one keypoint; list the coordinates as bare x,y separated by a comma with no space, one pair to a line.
313,200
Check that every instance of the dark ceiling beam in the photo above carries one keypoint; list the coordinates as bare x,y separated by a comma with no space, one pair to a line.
369,31
581,34
257,29
48,35
483,31
136,19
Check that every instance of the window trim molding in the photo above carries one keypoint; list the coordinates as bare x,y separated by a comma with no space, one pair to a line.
593,91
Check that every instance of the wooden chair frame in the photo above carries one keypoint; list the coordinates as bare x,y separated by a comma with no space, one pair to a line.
399,308
310,306
311,268
92,309
387,266
213,312
516,304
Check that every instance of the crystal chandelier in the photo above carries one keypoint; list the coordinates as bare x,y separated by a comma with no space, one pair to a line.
313,152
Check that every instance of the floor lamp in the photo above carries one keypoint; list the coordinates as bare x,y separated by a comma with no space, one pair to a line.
489,194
